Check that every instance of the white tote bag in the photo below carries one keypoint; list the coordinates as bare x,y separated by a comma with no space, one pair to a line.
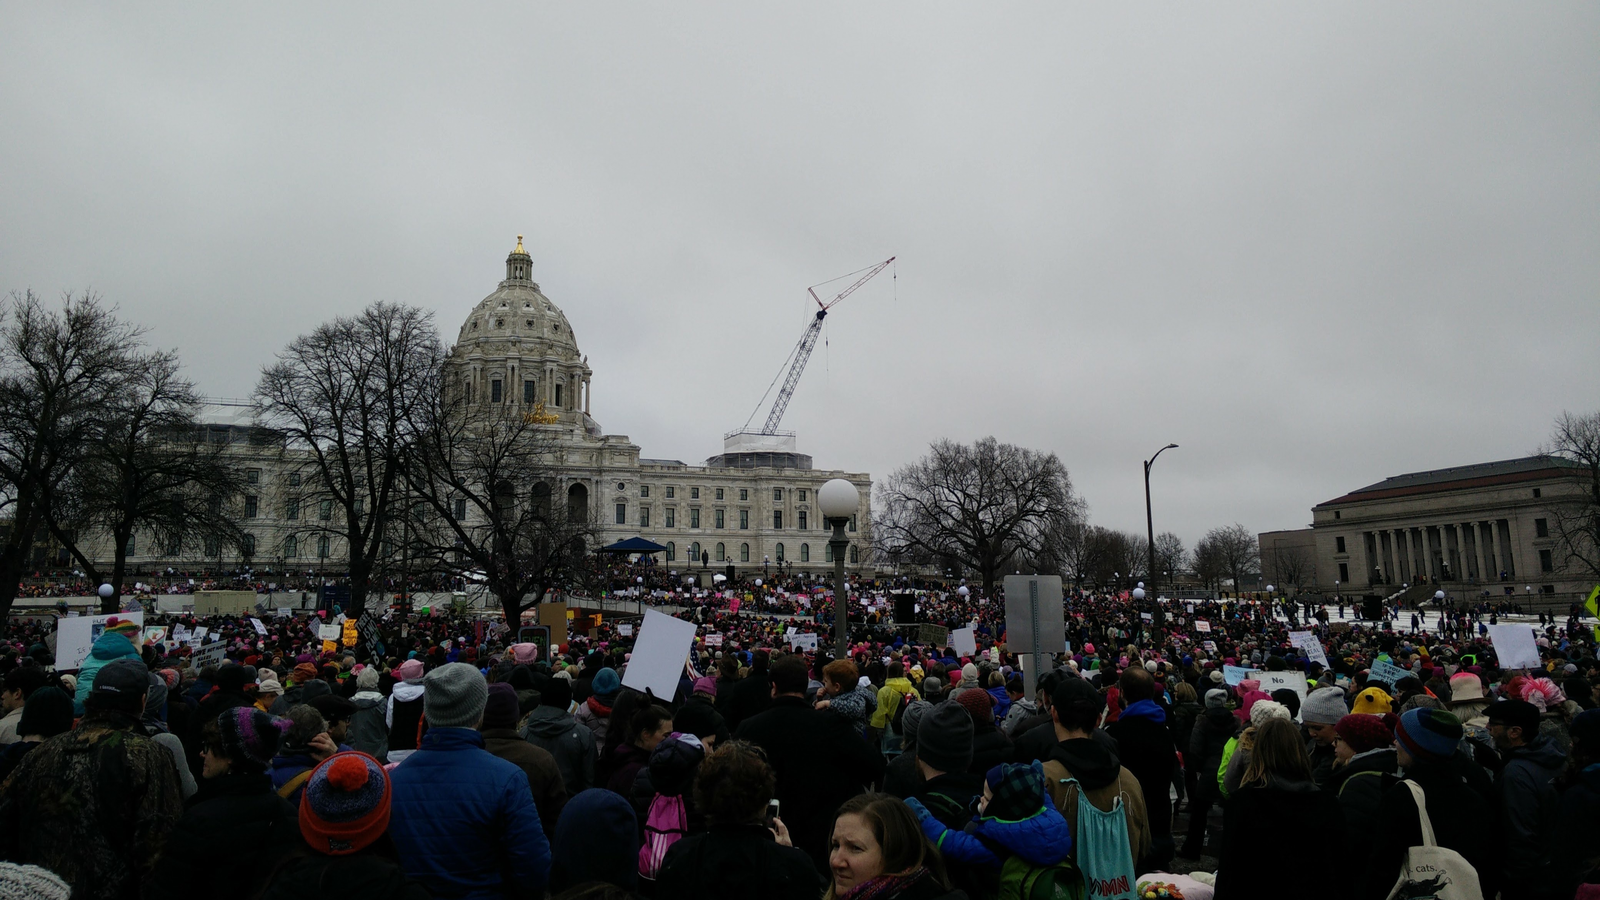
1433,872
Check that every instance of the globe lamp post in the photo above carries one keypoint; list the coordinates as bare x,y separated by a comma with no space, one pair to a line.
838,500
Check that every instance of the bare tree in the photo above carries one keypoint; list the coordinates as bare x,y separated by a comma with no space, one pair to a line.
149,468
483,502
60,370
1171,556
345,396
983,505
1292,565
1576,438
1135,557
1102,559
1230,552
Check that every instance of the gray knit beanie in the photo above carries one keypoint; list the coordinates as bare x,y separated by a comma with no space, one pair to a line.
912,718
453,696
944,737
1324,706
31,883
1217,698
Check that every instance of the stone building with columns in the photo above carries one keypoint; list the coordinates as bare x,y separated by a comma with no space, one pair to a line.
1474,531
753,506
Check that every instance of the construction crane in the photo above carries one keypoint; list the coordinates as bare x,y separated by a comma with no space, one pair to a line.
808,341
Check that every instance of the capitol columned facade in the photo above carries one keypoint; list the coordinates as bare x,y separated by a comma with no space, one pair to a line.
752,506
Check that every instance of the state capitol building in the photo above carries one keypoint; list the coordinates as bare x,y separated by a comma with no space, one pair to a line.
752,505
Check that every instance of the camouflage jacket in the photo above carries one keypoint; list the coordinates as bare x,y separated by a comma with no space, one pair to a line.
94,806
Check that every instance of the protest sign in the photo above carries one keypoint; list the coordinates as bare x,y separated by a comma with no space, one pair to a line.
1277,681
659,655
256,624
284,612
75,636
625,629
1307,642
1514,646
1386,672
197,636
1232,675
155,634
803,642
934,635
209,655
965,640
1202,626
328,631
1210,646
713,639
1147,617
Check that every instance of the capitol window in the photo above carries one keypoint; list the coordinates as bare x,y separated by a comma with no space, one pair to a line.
719,493
744,553
558,396
672,551
802,495
721,519
777,493
694,493
802,523
744,519
805,553
744,493
644,490
694,517
527,392
622,514
671,492
672,517
722,553
494,391
291,546
777,519
644,517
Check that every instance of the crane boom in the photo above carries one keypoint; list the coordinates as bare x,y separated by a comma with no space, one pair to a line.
808,341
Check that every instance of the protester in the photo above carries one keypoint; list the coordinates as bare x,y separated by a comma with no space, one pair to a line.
464,821
556,731
118,640
1321,713
18,686
1276,788
1081,767
403,717
742,853
819,759
306,744
235,806
1145,746
346,851
1364,754
594,711
1014,818
1576,855
1212,732
877,851
499,730
47,713
1529,805
368,732
596,838
55,806
1458,797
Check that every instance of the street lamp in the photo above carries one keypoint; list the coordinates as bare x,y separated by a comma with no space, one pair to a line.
1149,523
838,500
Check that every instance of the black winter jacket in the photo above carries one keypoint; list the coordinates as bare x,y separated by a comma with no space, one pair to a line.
736,861
359,876
1359,784
235,831
1211,733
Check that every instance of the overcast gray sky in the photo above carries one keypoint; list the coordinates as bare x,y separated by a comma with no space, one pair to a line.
1316,245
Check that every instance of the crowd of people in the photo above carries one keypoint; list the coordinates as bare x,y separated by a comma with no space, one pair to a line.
1187,749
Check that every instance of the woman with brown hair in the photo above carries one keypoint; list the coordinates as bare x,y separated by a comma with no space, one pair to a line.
878,852
744,852
1276,789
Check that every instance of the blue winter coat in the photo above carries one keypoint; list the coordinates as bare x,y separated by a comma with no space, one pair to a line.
464,820
1042,839
110,646
1002,702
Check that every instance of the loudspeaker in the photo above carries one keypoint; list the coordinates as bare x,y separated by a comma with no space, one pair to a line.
1372,607
905,609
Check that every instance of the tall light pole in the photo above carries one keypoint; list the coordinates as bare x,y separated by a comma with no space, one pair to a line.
837,500
1150,529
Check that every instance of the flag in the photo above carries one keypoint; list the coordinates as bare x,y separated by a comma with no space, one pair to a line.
1593,603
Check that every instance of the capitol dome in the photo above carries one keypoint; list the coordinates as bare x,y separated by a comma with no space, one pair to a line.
517,348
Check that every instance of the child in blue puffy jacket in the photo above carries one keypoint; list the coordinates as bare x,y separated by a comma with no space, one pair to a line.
1015,817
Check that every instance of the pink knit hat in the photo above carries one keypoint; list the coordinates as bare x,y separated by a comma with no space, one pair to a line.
411,670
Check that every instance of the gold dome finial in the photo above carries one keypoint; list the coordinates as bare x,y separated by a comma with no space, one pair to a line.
519,246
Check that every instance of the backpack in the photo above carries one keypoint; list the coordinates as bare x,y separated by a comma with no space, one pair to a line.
665,825
1432,872
1105,857
897,717
1020,880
